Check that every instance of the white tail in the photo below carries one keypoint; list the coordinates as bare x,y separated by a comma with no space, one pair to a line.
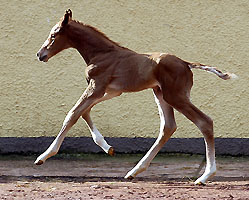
214,70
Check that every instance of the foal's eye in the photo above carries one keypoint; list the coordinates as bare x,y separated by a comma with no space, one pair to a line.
53,36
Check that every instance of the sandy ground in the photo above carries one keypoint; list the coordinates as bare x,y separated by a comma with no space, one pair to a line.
100,177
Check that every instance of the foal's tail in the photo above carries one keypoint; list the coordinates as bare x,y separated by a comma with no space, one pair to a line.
214,70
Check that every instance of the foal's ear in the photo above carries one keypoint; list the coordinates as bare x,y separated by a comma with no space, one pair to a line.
67,17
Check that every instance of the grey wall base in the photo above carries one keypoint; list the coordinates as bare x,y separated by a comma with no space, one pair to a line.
28,145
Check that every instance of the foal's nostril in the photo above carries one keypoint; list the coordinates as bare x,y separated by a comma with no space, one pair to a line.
37,54
43,58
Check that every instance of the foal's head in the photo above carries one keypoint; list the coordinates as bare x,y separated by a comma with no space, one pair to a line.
57,39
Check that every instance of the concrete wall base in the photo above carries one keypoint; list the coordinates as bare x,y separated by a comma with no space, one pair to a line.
30,145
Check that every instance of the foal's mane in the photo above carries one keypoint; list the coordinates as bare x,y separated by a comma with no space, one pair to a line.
99,33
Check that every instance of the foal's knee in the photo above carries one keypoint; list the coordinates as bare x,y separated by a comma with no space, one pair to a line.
71,118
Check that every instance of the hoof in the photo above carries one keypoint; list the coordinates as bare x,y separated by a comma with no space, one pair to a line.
39,162
111,151
199,183
129,177
203,179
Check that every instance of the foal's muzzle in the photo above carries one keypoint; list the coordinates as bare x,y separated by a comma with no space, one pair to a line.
41,57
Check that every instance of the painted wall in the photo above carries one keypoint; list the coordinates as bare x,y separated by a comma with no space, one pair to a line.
35,97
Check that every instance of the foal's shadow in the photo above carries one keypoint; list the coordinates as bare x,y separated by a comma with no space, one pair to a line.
82,179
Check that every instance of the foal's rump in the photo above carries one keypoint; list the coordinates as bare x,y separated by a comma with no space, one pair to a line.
174,76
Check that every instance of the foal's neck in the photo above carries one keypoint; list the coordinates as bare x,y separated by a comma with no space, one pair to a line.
89,41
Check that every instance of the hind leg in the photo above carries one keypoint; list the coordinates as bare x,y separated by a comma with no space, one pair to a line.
167,128
176,80
205,124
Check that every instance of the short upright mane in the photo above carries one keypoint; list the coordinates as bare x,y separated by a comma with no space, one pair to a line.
99,32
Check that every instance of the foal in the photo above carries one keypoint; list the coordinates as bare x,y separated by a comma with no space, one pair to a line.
111,70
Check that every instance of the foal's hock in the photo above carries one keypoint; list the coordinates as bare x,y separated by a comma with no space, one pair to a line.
113,69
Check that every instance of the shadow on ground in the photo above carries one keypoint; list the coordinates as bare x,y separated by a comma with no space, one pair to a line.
92,167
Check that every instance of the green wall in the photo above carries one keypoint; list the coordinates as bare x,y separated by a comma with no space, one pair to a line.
35,97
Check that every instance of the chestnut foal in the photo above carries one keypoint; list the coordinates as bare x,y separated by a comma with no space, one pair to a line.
111,70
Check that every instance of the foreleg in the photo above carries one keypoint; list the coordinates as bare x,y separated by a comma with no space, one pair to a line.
89,97
96,135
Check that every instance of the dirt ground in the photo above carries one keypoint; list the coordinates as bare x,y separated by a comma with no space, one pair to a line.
100,177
